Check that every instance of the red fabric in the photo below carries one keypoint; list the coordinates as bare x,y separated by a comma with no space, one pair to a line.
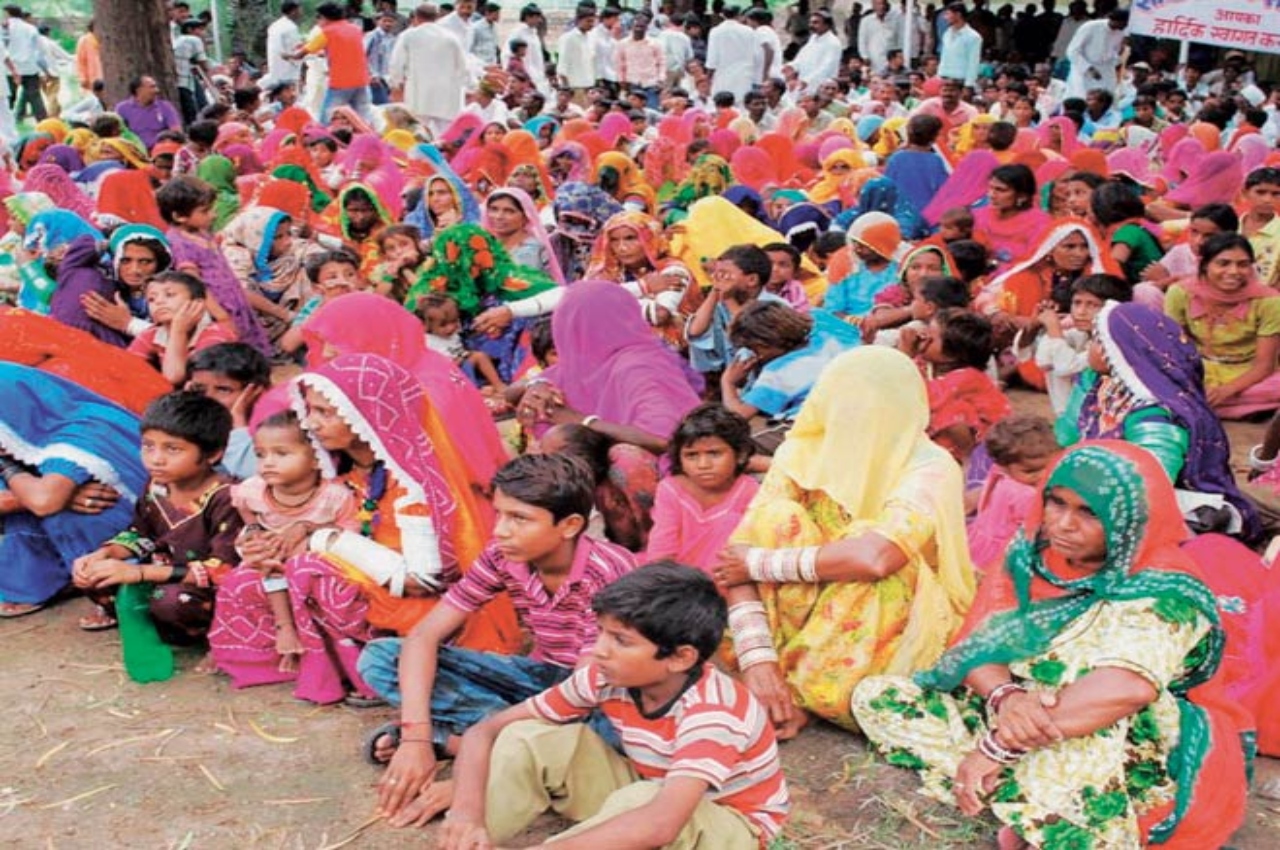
128,194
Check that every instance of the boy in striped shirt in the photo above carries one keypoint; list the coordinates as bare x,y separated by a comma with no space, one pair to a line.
701,766
550,570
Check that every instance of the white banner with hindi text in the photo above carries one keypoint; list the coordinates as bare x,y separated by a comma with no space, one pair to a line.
1243,24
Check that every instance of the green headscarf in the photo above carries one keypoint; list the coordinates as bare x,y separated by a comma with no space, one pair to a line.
468,263
220,173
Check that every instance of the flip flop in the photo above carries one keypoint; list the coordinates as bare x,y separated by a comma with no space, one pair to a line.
98,621
370,748
359,701
13,610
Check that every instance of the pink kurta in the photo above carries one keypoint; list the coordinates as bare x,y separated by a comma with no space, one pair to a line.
686,532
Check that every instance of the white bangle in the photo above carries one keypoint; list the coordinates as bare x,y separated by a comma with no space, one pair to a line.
588,421
1257,464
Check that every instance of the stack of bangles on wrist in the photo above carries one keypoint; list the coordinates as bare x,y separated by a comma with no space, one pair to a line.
783,566
992,749
9,468
999,694
752,640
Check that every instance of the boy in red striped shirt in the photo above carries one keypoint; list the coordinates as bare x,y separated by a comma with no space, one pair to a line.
701,765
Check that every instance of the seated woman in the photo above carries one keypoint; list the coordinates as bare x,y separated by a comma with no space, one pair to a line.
580,211
494,294
420,525
445,201
511,215
270,264
71,470
632,250
613,376
1081,702
1144,386
136,252
1010,223
852,559
1234,321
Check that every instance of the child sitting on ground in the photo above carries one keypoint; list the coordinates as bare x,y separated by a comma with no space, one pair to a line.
281,506
1021,447
784,281
873,238
680,783
332,275
699,505
963,400
184,529
443,323
1062,350
1183,259
551,570
400,247
181,325
234,375
932,295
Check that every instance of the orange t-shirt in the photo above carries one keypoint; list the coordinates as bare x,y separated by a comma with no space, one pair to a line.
343,43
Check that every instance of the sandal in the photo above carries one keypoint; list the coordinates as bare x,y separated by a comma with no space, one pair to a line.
354,700
100,620
394,731
11,610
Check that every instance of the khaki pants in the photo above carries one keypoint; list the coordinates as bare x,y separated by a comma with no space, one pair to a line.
536,766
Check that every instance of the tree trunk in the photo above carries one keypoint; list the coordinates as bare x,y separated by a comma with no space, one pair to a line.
250,19
135,41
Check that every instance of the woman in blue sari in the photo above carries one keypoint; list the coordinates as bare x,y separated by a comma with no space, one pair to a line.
59,444
429,217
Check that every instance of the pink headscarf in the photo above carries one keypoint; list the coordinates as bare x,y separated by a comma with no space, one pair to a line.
831,144
1215,178
1184,154
966,185
611,364
365,323
724,143
1132,163
532,224
370,161
463,127
1253,150
1070,135
752,167
614,126
232,133
61,189
243,158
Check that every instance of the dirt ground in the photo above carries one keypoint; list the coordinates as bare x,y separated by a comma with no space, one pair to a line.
89,759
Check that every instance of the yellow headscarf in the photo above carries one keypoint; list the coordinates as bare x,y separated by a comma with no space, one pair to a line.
401,140
964,137
630,179
828,186
890,137
128,152
55,127
81,138
885,457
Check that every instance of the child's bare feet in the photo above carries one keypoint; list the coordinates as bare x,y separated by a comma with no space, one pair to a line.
98,620
799,720
434,800
207,666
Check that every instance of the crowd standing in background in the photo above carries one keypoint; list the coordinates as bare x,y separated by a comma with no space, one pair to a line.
613,396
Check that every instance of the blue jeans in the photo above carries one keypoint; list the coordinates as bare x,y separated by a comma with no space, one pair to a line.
470,685
357,98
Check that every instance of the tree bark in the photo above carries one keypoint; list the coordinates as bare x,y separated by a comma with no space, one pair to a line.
249,28
135,41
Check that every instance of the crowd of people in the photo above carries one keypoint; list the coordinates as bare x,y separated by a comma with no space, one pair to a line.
613,402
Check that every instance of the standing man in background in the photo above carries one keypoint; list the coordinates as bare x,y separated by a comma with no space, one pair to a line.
378,45
24,52
283,40
342,43
640,62
1094,54
960,51
535,58
429,66
732,49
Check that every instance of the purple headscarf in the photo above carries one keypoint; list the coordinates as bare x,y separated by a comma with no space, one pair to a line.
612,365
64,156
965,187
1150,354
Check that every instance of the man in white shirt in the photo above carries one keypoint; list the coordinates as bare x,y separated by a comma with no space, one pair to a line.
602,45
458,22
1094,54
8,130
769,59
731,56
575,63
430,68
819,59
23,41
534,58
1078,16
960,53
676,46
283,40
879,32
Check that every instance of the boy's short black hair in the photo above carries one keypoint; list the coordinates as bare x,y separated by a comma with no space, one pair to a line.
1019,437
203,132
723,99
971,259
239,361
183,195
945,292
750,260
712,420
190,416
828,243
1107,287
1114,202
319,260
195,286
1221,215
670,605
541,342
434,301
557,483
1259,176
1002,135
783,248
966,337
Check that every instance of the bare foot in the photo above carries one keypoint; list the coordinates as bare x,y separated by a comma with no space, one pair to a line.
206,667
435,799
384,748
100,619
799,720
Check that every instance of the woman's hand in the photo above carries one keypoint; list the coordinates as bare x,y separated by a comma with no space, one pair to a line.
410,770
770,687
81,568
1218,395
493,322
655,283
1023,722
93,497
114,314
976,776
731,568
259,547
242,407
109,572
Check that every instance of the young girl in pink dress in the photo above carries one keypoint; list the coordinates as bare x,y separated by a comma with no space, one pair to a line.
699,505
1021,446
252,642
